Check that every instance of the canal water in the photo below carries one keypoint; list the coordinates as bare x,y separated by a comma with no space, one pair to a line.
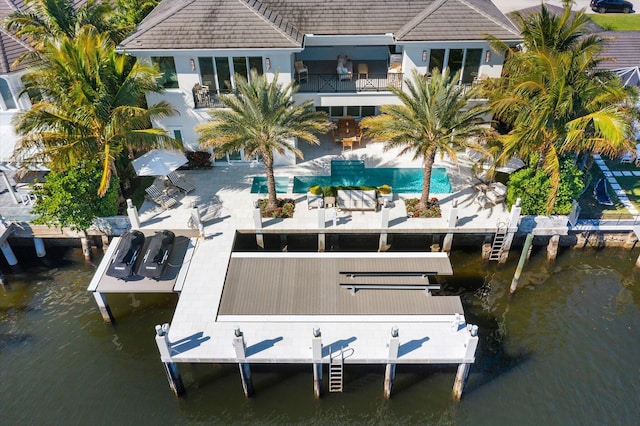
563,350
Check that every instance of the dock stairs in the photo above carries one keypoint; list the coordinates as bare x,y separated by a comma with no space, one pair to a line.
498,241
336,372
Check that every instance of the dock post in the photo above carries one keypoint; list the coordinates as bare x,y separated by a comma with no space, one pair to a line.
196,219
390,370
3,281
105,242
173,375
463,369
453,222
257,223
317,363
132,213
514,219
245,371
86,247
103,306
523,257
39,245
486,247
8,254
631,241
552,247
383,243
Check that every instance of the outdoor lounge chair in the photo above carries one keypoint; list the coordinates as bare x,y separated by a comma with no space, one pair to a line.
496,193
181,183
628,157
601,194
154,194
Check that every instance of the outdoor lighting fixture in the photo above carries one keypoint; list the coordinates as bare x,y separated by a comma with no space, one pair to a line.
487,56
424,56
193,64
267,63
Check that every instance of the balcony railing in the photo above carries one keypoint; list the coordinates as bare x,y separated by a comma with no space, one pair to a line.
327,83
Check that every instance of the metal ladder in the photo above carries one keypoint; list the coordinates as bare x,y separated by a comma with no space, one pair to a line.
498,241
336,368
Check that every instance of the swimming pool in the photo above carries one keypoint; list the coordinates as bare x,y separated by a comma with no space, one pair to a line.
351,173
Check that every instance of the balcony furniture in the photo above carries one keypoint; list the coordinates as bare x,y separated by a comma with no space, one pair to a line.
302,71
201,95
363,70
357,199
344,68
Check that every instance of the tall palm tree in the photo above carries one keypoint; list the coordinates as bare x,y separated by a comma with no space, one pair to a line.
554,98
91,106
434,115
49,20
262,118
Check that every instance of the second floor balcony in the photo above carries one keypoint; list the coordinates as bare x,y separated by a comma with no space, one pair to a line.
355,76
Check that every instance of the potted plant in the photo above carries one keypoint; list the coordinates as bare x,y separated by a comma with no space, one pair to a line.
386,193
330,193
314,196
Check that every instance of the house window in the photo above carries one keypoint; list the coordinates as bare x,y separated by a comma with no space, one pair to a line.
177,135
168,75
7,97
368,111
456,56
35,95
471,65
323,109
207,74
224,74
220,71
436,59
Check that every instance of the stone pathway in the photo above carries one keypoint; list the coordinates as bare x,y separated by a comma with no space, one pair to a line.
611,178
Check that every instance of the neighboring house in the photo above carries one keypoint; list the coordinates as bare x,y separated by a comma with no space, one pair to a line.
11,86
344,55
621,50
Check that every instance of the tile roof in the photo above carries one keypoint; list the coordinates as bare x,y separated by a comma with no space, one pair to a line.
11,47
623,47
238,24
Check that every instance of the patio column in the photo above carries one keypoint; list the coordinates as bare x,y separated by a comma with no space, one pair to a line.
132,213
321,225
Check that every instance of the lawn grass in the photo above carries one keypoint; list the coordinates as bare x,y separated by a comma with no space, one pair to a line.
617,21
589,206
138,185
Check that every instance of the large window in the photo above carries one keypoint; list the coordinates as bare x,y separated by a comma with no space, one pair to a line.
436,59
471,65
467,60
167,66
7,97
217,72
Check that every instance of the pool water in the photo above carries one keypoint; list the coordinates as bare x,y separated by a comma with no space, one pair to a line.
353,173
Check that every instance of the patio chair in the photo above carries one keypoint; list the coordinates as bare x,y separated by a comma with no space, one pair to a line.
496,193
302,71
181,183
628,158
155,195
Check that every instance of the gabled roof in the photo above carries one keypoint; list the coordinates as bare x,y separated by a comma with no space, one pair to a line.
253,24
11,47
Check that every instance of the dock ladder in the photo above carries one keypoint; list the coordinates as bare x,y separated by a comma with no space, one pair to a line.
498,241
336,368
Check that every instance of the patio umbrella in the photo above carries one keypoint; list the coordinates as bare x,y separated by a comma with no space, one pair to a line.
158,162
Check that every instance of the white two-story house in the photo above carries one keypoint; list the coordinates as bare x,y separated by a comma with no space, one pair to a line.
343,55
12,100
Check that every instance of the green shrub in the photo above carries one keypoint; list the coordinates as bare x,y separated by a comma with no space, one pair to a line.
533,189
315,190
384,189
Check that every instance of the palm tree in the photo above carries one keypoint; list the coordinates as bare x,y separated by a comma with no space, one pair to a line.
91,106
48,20
262,118
554,98
434,115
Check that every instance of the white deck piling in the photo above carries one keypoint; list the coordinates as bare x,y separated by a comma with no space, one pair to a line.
8,254
170,368
390,370
39,246
317,363
245,372
103,306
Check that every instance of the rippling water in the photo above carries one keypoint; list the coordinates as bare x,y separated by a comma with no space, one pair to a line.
563,350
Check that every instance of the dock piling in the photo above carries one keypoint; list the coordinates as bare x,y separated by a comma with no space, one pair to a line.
245,372
257,222
552,247
463,368
390,370
132,213
523,258
39,245
170,368
8,254
453,222
384,225
103,306
316,346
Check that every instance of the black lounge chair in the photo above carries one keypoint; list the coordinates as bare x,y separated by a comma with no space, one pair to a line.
156,257
124,259
601,194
